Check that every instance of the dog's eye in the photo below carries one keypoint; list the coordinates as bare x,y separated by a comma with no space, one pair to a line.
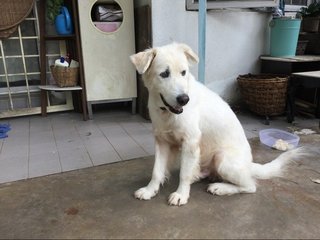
165,74
183,72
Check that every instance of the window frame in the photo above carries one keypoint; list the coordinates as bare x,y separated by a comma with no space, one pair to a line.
193,5
294,7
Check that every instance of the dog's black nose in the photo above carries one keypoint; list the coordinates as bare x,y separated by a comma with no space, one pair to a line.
183,99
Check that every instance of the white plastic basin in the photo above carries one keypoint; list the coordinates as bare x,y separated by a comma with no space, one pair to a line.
271,135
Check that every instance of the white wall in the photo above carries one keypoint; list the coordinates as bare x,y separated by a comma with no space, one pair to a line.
235,40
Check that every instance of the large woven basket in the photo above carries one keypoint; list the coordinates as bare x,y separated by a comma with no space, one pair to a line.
265,94
65,76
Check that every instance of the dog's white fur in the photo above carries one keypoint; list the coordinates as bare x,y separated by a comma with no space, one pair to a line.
207,135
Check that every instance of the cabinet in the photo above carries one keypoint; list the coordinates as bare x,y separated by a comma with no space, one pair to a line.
73,47
106,47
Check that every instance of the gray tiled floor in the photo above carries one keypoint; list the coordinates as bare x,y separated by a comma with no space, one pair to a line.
39,146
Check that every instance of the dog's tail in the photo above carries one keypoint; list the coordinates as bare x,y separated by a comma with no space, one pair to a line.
277,167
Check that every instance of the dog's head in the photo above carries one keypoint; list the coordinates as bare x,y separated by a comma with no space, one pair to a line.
166,74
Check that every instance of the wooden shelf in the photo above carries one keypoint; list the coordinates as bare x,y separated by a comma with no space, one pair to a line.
73,47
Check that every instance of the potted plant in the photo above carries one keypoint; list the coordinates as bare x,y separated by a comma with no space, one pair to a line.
311,17
59,16
53,8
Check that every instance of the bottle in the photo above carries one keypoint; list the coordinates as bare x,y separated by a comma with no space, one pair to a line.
61,62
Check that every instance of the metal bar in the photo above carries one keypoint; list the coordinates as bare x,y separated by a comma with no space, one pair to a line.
37,29
27,37
24,68
6,75
19,74
33,55
202,39
19,56
18,90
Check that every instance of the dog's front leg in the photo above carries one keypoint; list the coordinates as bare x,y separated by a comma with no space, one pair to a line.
163,154
190,156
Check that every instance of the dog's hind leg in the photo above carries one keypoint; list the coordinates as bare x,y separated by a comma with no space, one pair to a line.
237,175
163,154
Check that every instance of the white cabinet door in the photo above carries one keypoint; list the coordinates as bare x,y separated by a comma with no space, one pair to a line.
109,74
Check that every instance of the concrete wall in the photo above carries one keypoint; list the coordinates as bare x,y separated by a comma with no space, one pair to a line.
235,40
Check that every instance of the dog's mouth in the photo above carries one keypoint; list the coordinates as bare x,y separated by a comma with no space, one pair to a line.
176,109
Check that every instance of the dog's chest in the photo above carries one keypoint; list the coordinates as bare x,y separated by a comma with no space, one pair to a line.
169,133
172,137
167,128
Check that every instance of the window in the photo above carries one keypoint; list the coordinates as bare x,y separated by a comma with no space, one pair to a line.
20,71
216,4
295,5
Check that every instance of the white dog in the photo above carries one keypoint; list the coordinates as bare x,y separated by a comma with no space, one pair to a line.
192,122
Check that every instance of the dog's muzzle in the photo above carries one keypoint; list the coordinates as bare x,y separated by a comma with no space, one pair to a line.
182,100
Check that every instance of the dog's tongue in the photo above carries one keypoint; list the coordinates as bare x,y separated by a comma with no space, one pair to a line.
176,109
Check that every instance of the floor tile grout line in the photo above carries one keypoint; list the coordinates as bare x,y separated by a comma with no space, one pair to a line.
55,142
133,139
87,151
110,142
28,165
73,124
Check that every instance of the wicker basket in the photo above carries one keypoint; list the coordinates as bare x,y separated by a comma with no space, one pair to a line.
265,94
65,76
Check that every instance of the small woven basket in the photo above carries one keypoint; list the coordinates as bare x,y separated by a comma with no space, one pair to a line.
265,94
65,76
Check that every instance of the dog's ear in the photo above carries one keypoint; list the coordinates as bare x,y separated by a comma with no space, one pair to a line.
143,60
190,54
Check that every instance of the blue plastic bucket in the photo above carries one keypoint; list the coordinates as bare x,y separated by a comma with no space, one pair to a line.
284,37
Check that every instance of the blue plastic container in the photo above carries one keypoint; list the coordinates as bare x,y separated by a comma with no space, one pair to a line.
284,37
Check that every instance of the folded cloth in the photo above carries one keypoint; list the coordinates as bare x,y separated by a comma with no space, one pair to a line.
3,135
4,128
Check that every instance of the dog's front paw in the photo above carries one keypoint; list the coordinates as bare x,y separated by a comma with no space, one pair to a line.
144,194
177,199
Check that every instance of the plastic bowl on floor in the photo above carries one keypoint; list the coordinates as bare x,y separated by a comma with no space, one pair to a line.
271,135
